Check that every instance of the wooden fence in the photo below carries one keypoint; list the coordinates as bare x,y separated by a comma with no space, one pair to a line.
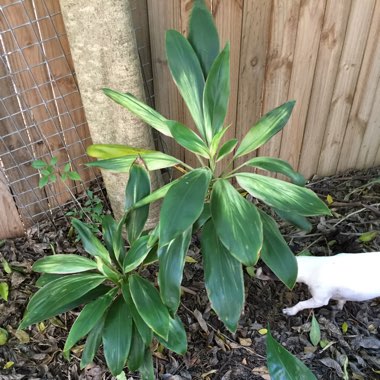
325,54
41,115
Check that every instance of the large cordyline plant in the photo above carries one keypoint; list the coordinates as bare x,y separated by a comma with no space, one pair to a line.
123,310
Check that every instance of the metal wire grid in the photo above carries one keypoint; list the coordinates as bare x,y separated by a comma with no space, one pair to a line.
31,134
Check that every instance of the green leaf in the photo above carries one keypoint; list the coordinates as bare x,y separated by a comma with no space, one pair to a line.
138,187
53,161
45,278
282,365
53,178
366,237
183,204
93,341
278,166
223,278
136,254
188,139
217,92
276,253
315,332
45,172
67,167
147,370
74,176
52,298
4,291
226,148
140,109
153,161
187,74
89,317
64,177
64,264
203,35
91,244
149,305
109,227
177,339
282,195
156,195
297,220
137,352
203,218
38,164
107,270
43,182
171,258
265,128
7,268
118,247
237,223
214,146
117,336
144,330
106,151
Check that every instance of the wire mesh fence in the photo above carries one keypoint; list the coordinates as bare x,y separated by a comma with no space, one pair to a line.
41,114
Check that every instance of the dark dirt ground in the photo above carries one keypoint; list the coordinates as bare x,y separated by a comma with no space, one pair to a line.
351,336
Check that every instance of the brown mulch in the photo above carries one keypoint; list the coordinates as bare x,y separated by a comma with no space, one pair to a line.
351,338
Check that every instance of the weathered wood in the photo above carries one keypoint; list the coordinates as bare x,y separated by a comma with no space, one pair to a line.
228,17
280,55
10,222
329,51
346,81
305,57
363,102
31,75
254,47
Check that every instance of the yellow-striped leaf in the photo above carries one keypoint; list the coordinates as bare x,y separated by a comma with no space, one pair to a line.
232,214
223,278
282,195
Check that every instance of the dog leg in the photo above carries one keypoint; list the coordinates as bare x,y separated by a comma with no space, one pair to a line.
308,304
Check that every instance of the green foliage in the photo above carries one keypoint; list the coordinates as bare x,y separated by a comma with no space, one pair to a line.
122,310
282,365
49,172
234,231
92,209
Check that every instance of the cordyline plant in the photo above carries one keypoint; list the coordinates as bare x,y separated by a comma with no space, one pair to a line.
123,310
234,231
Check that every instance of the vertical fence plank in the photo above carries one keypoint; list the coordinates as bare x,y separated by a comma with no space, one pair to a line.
330,48
279,64
364,97
254,46
228,19
305,57
349,66
164,15
10,222
369,153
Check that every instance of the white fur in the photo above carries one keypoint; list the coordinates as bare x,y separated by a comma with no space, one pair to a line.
344,277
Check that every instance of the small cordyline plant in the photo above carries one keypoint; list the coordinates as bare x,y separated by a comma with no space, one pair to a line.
123,310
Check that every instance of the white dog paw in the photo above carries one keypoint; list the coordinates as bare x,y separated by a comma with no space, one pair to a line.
289,311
